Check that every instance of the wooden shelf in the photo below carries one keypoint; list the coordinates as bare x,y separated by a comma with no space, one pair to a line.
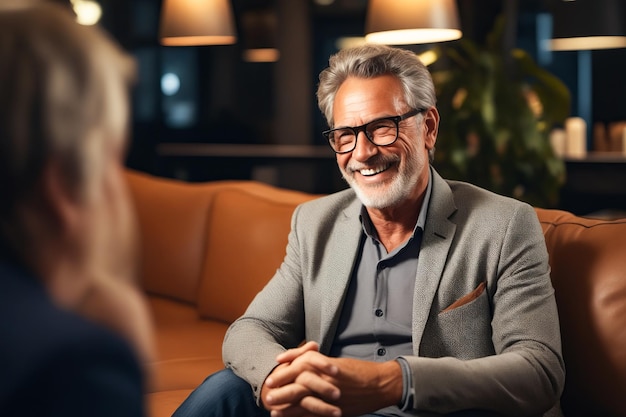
595,183
245,151
599,157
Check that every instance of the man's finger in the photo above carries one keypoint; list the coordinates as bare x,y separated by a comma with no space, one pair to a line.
309,361
318,407
320,386
291,354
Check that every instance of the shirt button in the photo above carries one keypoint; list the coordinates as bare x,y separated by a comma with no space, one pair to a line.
378,312
381,352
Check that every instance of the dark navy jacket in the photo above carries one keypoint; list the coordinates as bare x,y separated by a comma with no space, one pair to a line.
55,363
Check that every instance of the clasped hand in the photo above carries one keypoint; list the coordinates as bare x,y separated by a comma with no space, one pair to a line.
308,383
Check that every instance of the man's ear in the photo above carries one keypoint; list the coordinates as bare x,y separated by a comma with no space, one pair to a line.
431,127
60,202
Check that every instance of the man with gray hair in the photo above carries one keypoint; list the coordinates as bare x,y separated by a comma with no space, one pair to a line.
75,329
405,295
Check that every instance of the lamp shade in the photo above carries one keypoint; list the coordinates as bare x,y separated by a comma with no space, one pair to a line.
403,22
259,33
197,22
588,24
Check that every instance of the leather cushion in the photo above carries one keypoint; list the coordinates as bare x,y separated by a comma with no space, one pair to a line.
588,261
172,222
188,348
249,230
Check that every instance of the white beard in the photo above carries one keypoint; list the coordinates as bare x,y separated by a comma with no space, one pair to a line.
389,193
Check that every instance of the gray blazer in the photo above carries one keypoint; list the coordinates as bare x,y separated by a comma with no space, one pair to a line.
499,351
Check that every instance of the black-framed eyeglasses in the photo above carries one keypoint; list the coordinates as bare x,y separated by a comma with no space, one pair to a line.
381,132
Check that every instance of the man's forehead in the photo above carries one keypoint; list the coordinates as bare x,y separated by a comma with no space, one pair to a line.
367,99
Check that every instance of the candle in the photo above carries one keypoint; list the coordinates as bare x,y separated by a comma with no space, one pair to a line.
576,131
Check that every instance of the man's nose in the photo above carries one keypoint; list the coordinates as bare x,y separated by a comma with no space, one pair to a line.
364,148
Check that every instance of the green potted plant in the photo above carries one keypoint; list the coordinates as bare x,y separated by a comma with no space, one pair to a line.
497,109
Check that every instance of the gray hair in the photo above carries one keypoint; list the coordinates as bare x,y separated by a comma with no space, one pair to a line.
372,60
64,94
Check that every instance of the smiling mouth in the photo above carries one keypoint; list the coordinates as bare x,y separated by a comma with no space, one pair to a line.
373,171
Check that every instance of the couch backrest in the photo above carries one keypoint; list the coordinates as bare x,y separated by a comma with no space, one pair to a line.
173,225
588,261
212,244
247,242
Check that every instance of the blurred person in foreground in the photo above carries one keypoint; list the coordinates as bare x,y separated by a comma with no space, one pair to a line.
75,333
416,296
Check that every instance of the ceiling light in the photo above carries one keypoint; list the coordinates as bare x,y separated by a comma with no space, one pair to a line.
588,25
88,12
197,22
404,22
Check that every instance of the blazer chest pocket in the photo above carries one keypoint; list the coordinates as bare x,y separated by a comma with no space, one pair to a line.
467,298
462,330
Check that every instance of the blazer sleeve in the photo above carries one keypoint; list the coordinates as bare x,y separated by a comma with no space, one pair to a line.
525,376
272,323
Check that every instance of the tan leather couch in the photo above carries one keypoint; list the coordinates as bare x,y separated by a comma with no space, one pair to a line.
208,248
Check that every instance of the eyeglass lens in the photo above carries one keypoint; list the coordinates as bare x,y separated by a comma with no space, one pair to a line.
380,132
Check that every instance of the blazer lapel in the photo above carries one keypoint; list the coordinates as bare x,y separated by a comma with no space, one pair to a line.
338,267
438,233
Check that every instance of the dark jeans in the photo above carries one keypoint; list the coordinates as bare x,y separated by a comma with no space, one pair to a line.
222,394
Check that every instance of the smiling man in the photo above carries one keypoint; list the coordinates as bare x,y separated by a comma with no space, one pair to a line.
416,296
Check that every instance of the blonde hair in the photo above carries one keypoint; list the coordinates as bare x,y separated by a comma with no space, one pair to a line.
64,94
64,97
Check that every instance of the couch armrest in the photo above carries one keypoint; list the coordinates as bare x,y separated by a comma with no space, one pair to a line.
588,261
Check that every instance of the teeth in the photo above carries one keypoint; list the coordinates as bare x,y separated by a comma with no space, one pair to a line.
373,171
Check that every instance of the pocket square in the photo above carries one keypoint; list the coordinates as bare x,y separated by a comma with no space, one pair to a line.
467,298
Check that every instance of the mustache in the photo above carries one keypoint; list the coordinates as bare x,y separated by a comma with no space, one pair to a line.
374,161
